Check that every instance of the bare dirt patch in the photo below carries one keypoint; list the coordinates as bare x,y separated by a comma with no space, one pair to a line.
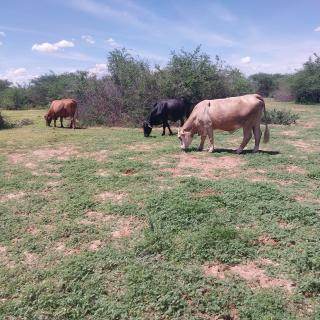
306,199
33,230
289,133
62,249
295,169
129,172
11,196
95,245
251,272
32,260
121,226
114,197
103,173
266,240
304,146
99,156
204,166
57,152
4,258
142,147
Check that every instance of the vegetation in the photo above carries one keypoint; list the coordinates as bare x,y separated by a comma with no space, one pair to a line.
105,224
306,82
280,117
132,86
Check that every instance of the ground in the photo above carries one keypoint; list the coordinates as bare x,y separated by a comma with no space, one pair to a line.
102,223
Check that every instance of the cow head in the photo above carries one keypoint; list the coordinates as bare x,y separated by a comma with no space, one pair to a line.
185,138
48,119
147,128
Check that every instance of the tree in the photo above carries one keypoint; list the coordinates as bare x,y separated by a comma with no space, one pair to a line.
265,83
306,83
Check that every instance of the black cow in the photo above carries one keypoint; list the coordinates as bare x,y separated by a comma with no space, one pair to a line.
164,110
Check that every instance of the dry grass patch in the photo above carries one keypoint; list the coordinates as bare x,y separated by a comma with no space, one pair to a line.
266,240
304,146
121,226
57,152
114,197
12,196
142,147
95,245
251,272
306,199
32,260
61,248
4,258
205,165
295,169
99,156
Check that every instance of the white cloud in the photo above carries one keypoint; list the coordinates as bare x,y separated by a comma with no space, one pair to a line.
317,29
19,75
89,39
246,60
100,69
112,43
2,34
52,47
0,43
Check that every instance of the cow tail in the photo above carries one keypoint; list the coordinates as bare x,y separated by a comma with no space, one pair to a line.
266,134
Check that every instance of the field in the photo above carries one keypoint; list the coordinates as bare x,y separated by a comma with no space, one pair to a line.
102,223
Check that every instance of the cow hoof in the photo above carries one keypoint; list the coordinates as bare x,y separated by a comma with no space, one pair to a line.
255,151
200,149
238,151
163,134
211,150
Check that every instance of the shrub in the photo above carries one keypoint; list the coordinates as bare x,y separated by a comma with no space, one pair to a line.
4,124
280,117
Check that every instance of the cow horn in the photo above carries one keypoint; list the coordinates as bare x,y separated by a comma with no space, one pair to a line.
149,125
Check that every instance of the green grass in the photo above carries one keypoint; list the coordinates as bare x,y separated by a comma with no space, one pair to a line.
178,218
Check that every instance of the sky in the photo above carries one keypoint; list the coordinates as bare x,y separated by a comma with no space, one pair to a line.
39,36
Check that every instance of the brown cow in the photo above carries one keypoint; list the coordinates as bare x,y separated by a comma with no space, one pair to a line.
63,108
227,114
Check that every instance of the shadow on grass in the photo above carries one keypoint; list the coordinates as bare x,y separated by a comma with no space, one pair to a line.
223,150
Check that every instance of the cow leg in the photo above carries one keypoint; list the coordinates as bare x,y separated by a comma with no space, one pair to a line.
73,123
55,122
257,136
203,139
170,132
61,122
247,134
210,135
181,122
163,128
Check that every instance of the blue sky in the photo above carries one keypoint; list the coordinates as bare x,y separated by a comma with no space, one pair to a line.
37,36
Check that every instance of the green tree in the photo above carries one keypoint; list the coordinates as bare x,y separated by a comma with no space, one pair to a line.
306,83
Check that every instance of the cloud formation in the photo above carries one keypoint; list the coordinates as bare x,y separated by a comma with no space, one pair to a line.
112,43
317,29
89,39
100,69
47,47
246,60
19,75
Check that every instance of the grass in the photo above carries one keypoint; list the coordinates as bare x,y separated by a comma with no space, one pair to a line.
102,223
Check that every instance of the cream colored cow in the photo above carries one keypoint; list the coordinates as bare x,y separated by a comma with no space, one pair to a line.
227,114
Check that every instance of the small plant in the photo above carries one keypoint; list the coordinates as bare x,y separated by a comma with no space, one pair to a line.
280,117
4,124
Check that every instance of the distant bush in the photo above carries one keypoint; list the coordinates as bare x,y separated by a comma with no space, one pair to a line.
23,122
280,117
4,124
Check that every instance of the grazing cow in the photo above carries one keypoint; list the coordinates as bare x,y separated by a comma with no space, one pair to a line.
63,108
164,110
227,114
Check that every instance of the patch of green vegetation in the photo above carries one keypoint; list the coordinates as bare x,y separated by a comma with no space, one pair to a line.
47,269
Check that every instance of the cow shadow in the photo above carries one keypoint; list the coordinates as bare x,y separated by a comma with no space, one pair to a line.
233,151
